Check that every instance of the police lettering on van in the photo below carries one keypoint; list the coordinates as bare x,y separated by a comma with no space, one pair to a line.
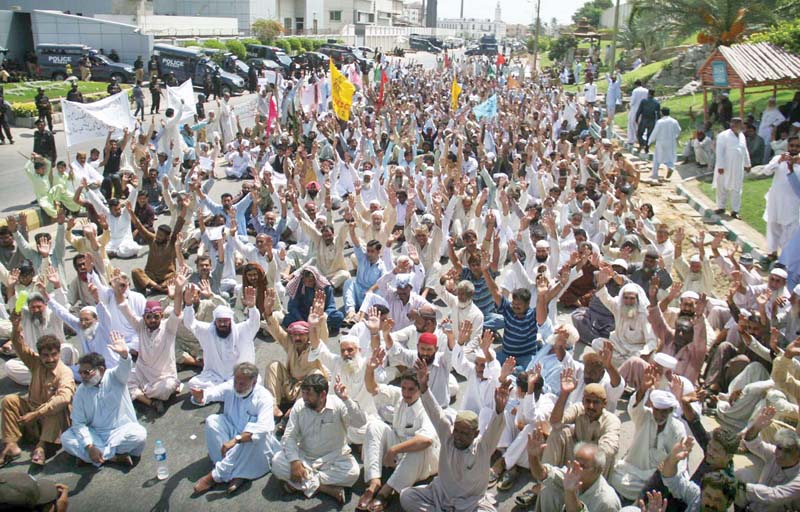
59,59
172,63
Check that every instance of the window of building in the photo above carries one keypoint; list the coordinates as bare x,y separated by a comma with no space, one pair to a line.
299,24
335,15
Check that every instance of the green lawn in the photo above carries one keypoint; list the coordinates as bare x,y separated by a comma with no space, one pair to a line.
755,101
644,73
753,202
23,92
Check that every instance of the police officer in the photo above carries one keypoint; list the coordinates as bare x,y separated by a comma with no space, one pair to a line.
45,109
113,87
138,68
43,142
74,94
155,95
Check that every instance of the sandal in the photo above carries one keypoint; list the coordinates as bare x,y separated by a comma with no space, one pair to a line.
8,459
378,505
493,478
38,457
507,481
365,501
526,499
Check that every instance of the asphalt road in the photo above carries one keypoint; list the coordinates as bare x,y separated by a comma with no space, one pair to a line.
181,428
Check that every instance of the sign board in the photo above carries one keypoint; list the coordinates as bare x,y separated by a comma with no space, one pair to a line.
719,73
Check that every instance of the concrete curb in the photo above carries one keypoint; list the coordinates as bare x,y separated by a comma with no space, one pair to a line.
35,216
712,218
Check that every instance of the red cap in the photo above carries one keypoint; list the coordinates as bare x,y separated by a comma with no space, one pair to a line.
428,338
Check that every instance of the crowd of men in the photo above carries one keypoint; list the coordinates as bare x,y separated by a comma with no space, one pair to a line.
486,246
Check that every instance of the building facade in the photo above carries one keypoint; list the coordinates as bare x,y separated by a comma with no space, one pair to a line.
475,28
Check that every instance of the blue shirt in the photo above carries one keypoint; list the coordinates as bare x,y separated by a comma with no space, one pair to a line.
519,334
483,297
239,211
367,273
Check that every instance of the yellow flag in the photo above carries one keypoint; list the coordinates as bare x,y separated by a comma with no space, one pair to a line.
342,91
455,92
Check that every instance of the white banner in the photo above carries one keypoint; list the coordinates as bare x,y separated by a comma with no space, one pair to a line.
85,122
181,99
246,109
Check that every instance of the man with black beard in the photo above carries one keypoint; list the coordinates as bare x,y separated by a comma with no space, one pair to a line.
225,343
160,266
641,274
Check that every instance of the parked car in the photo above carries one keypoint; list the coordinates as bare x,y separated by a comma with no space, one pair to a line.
266,64
342,54
310,60
423,45
187,63
272,53
53,59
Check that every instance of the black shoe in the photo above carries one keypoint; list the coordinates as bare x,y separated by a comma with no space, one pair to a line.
526,499
507,481
735,215
719,211
158,407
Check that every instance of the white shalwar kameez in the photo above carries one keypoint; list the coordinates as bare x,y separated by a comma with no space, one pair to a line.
227,122
253,414
631,336
637,95
220,355
783,204
732,157
648,449
121,243
479,396
665,137
155,375
103,416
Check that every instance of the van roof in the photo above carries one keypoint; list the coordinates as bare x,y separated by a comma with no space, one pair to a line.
177,50
63,48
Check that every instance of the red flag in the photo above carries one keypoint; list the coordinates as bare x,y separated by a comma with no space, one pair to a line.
384,79
500,59
446,61
272,116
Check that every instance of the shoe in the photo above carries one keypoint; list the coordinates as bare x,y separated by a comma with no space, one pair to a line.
11,141
507,481
526,499
204,484
158,407
719,211
669,173
493,478
735,215
234,485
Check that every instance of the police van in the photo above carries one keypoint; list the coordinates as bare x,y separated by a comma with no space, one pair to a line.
193,63
53,60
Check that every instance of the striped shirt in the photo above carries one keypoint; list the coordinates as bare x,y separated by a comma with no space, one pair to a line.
519,334
483,297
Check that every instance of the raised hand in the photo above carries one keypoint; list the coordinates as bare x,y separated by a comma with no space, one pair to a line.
43,247
423,374
682,449
508,368
373,320
378,355
607,353
649,378
340,389
655,503
501,396
536,443
572,480
676,386
249,297
486,339
764,418
52,277
568,383
269,299
118,344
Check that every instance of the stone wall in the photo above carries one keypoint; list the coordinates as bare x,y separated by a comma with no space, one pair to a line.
683,69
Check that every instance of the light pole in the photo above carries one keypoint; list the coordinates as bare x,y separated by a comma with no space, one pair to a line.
614,40
536,37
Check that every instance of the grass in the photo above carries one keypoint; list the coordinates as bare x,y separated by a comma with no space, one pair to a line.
755,101
753,201
23,92
644,73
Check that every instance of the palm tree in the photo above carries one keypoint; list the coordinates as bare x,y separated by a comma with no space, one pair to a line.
717,22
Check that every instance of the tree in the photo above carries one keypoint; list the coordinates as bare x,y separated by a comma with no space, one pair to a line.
638,34
592,11
561,47
717,22
786,35
266,30
237,48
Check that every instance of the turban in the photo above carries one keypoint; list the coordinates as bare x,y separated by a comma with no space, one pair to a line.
89,309
542,244
690,295
665,360
223,312
595,389
152,306
349,339
663,399
299,327
779,272
402,280
428,338
468,417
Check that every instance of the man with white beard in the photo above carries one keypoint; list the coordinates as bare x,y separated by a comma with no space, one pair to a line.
733,161
632,335
770,119
347,367
93,324
40,320
783,197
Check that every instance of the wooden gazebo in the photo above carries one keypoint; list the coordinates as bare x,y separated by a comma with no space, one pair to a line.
743,66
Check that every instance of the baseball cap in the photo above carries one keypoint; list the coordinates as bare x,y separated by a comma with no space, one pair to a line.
22,490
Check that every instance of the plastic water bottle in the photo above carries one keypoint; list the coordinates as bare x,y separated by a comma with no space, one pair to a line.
162,471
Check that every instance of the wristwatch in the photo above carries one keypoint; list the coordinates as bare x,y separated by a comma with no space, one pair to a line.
238,438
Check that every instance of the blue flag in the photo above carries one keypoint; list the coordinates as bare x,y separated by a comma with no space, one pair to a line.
487,109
